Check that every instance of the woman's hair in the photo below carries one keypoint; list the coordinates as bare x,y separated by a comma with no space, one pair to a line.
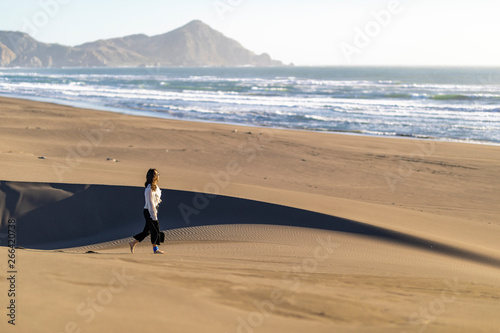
152,178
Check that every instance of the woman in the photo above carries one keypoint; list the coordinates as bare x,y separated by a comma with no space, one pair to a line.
152,194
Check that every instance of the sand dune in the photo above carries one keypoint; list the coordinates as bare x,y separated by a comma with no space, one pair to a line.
266,230
232,256
54,216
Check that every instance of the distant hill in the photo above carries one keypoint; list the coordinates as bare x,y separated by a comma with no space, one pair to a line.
195,44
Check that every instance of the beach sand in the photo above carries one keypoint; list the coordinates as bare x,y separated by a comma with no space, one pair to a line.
297,231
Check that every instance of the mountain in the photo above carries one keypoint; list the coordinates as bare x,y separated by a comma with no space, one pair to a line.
195,44
18,49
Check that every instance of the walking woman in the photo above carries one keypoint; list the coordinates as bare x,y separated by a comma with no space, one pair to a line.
152,194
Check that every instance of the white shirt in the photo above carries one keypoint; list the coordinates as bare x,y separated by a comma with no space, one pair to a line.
153,199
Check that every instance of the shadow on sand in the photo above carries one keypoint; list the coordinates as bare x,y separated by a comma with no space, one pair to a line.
53,216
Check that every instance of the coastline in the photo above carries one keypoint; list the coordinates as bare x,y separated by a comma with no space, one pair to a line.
152,114
387,102
446,193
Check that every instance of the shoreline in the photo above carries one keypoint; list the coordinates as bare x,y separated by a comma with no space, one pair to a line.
151,114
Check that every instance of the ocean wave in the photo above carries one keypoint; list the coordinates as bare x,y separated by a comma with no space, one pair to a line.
309,99
451,97
400,95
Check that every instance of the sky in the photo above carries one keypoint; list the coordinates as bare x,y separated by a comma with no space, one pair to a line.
303,32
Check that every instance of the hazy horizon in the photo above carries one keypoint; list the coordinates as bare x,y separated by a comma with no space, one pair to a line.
394,33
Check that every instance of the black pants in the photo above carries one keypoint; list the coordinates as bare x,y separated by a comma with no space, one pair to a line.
152,227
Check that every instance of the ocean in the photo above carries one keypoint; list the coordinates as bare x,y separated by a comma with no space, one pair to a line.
449,104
